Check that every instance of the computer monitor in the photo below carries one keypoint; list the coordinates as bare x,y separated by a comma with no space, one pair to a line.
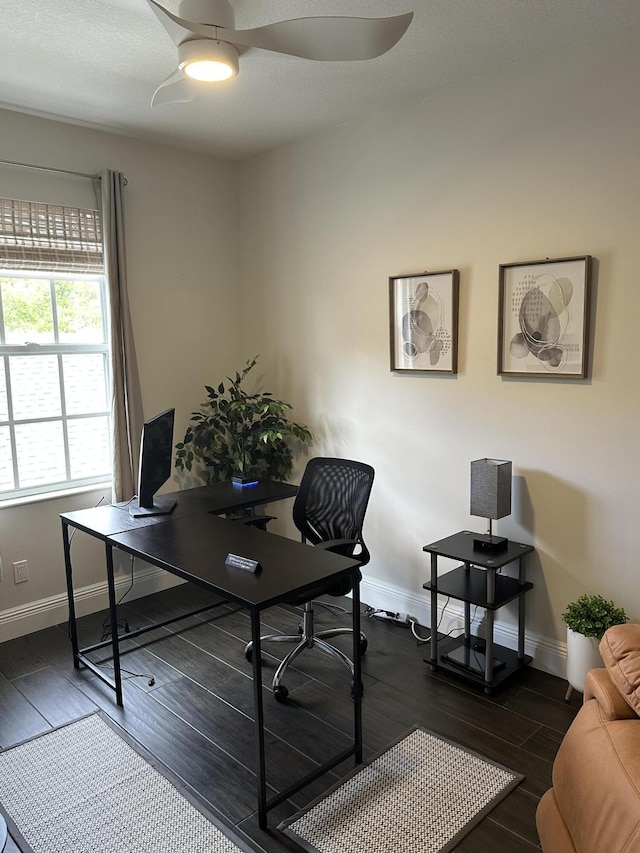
156,458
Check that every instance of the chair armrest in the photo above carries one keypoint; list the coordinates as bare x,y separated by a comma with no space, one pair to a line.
598,685
346,547
338,546
259,521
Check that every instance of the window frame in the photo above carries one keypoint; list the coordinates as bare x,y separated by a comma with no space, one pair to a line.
59,349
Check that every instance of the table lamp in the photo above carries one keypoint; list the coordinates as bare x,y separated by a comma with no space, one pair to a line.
490,498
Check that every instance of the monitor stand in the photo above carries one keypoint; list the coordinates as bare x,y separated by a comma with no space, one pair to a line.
161,506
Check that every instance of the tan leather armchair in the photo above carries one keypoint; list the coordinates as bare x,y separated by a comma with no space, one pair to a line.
594,804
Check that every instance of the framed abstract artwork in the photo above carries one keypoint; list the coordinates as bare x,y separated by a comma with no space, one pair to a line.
544,318
423,314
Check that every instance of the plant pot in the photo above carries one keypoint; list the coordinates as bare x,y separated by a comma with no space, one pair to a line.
582,655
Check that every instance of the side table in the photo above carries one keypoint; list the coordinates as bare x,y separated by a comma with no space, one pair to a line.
477,582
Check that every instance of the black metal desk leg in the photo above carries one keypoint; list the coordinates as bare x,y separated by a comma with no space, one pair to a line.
113,616
357,671
258,707
73,627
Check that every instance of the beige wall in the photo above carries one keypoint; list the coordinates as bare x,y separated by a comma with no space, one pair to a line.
182,239
540,163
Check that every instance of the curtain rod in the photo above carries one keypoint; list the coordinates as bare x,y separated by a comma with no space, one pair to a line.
48,169
51,169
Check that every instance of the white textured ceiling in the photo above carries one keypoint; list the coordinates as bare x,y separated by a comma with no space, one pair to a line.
98,62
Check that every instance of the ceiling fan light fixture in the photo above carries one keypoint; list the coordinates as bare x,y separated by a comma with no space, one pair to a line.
208,60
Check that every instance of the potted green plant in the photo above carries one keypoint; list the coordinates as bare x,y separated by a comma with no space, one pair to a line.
240,435
587,619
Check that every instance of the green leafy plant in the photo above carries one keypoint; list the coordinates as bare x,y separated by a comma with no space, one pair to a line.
236,433
591,615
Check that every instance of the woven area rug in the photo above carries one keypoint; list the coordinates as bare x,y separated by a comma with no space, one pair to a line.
83,788
423,795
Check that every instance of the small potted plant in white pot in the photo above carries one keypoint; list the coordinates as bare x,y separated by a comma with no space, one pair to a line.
587,619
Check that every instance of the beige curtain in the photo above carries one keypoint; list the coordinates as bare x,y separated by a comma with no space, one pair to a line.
126,399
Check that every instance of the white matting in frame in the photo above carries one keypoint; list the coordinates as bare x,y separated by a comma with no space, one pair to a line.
423,313
544,318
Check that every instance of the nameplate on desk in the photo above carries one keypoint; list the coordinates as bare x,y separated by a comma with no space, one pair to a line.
244,563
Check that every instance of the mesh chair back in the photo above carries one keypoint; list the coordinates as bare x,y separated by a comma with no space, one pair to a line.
332,501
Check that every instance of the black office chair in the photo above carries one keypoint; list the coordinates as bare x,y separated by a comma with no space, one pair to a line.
329,512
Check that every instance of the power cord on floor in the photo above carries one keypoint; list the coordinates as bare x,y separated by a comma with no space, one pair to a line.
130,675
410,621
421,640
414,622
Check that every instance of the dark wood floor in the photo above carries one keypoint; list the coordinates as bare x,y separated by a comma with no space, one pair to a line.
197,717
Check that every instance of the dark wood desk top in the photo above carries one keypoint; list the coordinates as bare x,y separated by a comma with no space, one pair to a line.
107,519
220,498
196,547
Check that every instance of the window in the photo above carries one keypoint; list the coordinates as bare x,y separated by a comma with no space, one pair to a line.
54,355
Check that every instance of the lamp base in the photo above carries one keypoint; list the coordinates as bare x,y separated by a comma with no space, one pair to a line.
489,543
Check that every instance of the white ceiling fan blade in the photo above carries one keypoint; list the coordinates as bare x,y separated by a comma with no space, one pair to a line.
178,28
177,88
328,38
323,38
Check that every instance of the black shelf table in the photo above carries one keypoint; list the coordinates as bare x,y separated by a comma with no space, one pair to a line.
477,582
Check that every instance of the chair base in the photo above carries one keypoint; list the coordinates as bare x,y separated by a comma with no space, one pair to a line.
329,605
306,639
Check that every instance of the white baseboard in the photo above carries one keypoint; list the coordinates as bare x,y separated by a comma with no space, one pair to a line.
548,655
47,612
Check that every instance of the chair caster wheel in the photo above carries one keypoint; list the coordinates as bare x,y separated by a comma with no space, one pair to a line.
364,643
280,692
248,653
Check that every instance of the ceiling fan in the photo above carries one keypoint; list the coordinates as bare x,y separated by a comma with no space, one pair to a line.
209,46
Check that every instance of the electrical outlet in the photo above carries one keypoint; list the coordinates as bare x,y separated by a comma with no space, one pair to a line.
20,571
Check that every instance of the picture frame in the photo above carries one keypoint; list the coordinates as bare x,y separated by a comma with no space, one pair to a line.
543,325
423,316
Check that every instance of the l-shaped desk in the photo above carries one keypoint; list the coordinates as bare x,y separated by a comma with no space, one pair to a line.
193,542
